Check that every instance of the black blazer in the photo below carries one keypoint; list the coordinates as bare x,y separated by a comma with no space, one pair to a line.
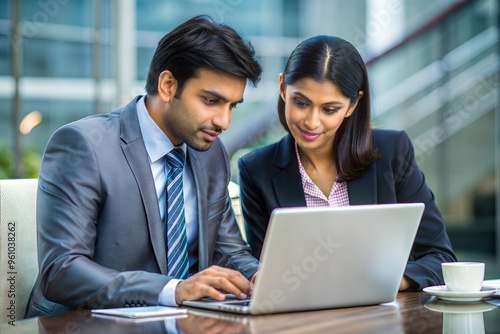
270,178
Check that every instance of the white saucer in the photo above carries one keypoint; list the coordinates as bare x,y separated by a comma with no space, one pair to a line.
459,308
457,296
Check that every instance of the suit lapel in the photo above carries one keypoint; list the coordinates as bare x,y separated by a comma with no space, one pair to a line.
199,177
287,184
135,152
362,190
288,188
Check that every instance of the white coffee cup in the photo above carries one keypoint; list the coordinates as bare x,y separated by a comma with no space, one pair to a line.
463,276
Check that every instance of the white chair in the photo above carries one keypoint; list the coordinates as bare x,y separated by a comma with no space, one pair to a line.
18,246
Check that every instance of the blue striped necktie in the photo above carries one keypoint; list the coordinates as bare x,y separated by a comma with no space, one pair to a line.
175,234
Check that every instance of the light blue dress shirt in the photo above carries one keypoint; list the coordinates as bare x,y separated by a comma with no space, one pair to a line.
158,145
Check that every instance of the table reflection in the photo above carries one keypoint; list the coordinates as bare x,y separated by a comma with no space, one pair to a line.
383,318
459,317
406,315
220,323
85,322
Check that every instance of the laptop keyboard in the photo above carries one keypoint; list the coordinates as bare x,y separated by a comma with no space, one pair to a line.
240,303
230,300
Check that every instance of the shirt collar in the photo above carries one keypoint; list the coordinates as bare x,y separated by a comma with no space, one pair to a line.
306,180
156,142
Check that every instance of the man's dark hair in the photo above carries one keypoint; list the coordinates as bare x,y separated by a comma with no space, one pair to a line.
202,43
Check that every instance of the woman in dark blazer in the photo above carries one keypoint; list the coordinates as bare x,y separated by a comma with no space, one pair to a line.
331,156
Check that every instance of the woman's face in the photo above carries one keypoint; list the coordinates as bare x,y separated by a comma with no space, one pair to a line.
314,111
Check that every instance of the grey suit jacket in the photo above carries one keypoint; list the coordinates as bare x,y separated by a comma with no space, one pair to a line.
100,239
270,178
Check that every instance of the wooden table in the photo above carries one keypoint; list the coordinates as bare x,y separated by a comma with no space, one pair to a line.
411,312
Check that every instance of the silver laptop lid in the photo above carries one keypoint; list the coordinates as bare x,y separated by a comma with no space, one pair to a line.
327,257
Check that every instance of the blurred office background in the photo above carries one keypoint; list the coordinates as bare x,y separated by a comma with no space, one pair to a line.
434,67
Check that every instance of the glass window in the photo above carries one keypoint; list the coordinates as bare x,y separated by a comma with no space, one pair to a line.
57,59
5,67
37,14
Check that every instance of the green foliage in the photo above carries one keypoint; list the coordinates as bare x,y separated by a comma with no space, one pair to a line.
6,162
32,160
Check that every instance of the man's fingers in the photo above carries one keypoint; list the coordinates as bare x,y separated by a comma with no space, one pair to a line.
210,282
214,293
193,289
227,280
231,283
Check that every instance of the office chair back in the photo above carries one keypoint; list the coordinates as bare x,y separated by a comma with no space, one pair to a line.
18,246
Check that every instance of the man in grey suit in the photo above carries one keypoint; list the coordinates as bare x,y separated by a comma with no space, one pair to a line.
101,206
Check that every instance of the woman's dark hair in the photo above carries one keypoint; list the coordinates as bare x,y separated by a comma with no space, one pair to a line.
202,43
328,58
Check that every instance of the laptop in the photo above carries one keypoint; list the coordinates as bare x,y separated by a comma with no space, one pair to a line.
329,257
